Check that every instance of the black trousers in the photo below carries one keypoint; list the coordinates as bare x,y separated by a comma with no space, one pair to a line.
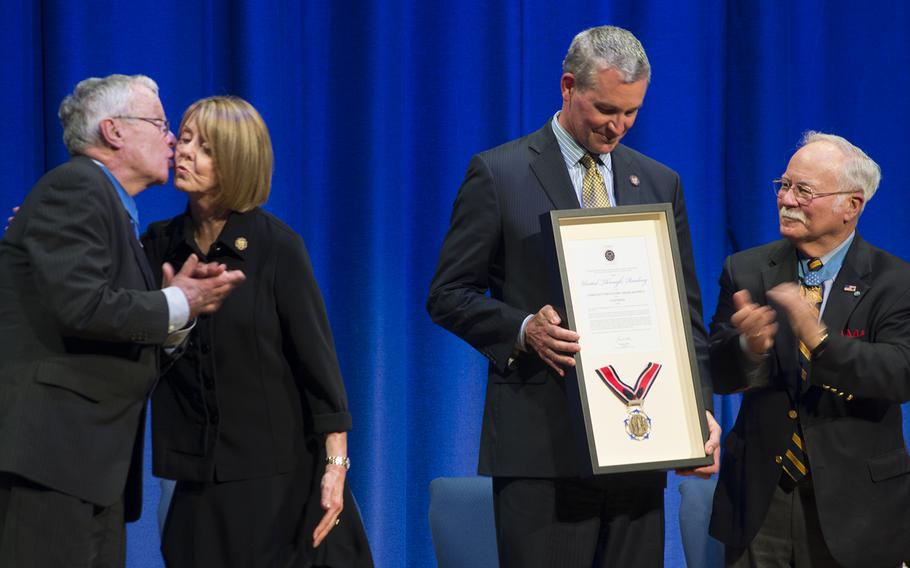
604,521
43,528
790,535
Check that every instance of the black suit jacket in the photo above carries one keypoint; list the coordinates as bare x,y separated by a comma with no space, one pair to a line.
79,329
259,378
849,408
500,241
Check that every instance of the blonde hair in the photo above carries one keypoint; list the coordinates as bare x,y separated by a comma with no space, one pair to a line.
241,149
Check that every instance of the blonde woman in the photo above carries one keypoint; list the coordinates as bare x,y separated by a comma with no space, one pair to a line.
251,421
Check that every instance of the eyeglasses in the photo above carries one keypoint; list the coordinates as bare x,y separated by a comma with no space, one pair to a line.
801,192
162,124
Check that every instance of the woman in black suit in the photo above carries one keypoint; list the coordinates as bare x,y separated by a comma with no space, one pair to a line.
251,421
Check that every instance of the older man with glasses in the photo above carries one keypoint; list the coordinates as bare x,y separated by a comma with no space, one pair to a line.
815,330
81,326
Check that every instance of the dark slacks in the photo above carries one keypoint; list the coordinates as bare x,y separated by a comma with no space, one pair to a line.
605,521
790,535
42,528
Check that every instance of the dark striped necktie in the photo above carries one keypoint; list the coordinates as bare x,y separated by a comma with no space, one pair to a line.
797,463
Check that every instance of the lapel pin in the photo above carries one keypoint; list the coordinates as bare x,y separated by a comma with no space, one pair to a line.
852,288
241,243
633,179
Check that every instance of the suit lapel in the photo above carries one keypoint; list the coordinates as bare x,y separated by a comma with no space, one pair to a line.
143,262
623,172
849,287
550,169
127,225
782,268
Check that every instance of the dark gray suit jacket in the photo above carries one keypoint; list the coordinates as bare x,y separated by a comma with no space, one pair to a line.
500,240
849,407
80,323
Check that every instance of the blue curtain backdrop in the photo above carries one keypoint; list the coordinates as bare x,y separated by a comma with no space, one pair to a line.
376,106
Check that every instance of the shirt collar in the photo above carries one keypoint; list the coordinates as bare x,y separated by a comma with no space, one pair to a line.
236,236
125,198
831,261
571,150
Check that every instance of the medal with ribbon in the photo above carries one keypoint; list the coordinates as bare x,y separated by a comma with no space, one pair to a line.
638,424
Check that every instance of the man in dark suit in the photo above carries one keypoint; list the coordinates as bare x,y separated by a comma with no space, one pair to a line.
81,323
815,471
547,512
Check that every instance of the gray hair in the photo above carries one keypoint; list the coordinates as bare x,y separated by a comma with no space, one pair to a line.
93,100
606,47
859,172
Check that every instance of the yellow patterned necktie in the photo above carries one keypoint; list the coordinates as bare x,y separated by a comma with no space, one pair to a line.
797,463
593,189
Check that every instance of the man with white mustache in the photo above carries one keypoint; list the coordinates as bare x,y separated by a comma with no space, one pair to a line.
547,512
815,329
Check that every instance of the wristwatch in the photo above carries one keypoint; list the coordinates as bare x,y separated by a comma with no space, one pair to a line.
822,343
339,460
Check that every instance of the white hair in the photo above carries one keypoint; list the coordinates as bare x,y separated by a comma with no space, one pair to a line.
859,171
93,100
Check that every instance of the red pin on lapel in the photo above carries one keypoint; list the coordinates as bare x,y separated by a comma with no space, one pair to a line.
633,179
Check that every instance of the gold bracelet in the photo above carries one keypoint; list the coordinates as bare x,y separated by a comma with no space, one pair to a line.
339,460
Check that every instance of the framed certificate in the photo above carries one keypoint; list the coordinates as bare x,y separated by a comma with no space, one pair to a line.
636,388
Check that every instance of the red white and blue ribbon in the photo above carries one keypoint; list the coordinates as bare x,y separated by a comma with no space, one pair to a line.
623,391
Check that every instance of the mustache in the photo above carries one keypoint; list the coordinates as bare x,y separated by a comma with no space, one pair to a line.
792,213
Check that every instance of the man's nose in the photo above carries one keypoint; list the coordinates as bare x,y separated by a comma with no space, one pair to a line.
788,199
616,125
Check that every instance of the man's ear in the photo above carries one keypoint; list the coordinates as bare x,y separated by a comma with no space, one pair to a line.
853,206
567,84
111,133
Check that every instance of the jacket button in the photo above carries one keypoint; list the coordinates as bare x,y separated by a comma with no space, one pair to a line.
208,382
778,459
213,418
792,414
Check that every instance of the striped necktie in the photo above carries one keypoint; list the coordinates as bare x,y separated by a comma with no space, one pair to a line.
593,189
797,463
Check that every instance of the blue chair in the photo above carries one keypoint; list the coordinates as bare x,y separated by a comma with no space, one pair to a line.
461,522
701,550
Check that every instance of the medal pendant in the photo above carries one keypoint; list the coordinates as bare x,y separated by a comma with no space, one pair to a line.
638,424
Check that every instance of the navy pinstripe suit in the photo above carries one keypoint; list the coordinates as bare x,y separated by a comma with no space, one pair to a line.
500,241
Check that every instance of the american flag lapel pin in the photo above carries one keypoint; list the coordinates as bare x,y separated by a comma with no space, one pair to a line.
851,288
